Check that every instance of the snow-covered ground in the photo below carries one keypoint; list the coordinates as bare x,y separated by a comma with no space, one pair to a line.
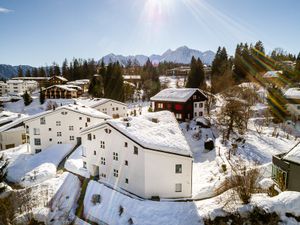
27,170
74,163
35,106
173,213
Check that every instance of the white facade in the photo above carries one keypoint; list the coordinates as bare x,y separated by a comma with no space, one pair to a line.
199,109
113,108
3,88
293,98
121,160
60,126
20,86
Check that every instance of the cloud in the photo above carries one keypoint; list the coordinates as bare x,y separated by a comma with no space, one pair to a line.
4,10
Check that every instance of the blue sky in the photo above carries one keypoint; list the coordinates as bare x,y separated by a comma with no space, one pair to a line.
38,32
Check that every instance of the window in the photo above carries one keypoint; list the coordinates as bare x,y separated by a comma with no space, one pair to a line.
116,173
126,180
94,136
71,127
42,120
194,97
178,187
103,175
58,123
178,168
72,138
58,134
102,161
115,156
201,105
36,131
160,105
195,113
178,116
125,144
102,144
113,109
50,139
126,163
37,141
64,113
95,152
135,150
84,165
178,107
195,105
49,129
89,137
88,119
80,118
59,142
117,108
38,150
108,131
298,107
200,113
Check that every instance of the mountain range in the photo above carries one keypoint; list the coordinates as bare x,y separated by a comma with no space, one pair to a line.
180,55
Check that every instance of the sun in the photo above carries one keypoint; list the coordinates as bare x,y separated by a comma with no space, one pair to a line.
158,10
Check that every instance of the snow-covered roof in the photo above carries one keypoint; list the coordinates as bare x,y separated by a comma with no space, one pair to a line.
75,108
7,117
272,74
175,94
94,102
30,78
132,77
158,131
293,155
292,93
18,121
14,81
66,87
59,77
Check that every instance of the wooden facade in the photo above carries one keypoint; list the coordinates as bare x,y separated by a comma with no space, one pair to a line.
183,110
59,91
57,80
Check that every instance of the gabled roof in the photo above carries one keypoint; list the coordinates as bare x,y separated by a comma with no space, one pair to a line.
66,87
94,102
15,123
157,131
292,93
75,108
176,94
293,155
59,77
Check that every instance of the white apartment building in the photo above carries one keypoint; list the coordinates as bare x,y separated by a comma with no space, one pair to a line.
3,88
146,155
12,130
111,107
60,126
292,96
18,87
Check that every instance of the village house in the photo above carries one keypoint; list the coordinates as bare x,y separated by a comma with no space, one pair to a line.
111,107
185,103
83,83
286,169
42,81
60,126
62,91
12,132
292,96
3,88
146,155
133,79
179,71
57,80
274,78
18,87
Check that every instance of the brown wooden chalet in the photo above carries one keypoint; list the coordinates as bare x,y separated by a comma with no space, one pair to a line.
62,91
57,80
185,103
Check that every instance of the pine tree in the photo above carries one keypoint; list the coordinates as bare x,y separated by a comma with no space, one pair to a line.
42,96
65,69
297,67
35,72
27,98
27,74
196,76
20,71
56,69
41,72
